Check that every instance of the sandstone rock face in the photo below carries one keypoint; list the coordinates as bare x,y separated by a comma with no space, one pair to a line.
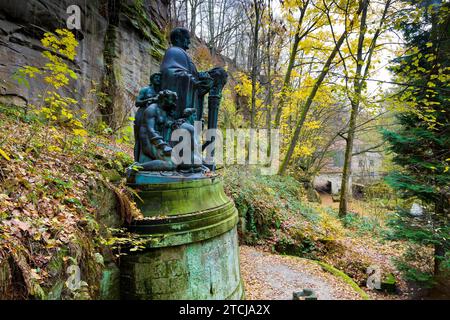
120,45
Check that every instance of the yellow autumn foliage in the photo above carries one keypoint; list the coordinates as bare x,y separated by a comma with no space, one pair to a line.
56,74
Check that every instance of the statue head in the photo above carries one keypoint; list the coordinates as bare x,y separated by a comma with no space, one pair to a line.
180,37
167,99
155,81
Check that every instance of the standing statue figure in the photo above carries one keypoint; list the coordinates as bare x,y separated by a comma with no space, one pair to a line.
180,75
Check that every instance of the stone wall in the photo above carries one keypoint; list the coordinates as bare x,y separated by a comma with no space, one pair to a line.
320,182
120,44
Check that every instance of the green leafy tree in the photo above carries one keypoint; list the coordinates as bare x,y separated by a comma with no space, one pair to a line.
421,145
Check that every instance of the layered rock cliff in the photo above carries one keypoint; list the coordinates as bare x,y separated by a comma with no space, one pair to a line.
120,45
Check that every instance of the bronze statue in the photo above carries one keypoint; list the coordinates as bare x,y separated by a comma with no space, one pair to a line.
180,75
152,150
176,106
146,93
146,96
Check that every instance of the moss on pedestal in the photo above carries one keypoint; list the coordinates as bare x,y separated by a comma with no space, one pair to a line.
197,253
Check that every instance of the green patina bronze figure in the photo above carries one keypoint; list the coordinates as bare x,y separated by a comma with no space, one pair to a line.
177,106
154,125
145,97
151,127
180,75
146,93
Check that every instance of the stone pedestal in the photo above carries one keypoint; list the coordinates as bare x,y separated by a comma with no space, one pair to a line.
192,252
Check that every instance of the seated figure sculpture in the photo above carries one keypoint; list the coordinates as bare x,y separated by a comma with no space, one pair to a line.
152,151
154,125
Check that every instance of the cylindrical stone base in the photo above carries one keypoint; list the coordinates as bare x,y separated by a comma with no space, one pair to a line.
192,250
203,270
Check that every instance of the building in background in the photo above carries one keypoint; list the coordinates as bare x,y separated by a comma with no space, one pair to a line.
366,167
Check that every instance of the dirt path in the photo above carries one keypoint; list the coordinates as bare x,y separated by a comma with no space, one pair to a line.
275,277
327,200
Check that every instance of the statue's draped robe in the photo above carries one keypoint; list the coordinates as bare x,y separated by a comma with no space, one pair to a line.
179,74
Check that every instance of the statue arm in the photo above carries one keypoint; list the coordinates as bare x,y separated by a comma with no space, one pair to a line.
188,112
145,96
140,100
184,74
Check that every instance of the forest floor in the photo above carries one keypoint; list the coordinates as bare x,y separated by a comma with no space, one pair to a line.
380,252
270,276
290,234
55,187
275,276
50,178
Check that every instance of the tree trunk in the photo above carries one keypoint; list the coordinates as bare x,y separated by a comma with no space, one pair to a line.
254,73
211,23
356,99
194,6
312,94
346,171
358,83
292,58
307,105
269,83
442,276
